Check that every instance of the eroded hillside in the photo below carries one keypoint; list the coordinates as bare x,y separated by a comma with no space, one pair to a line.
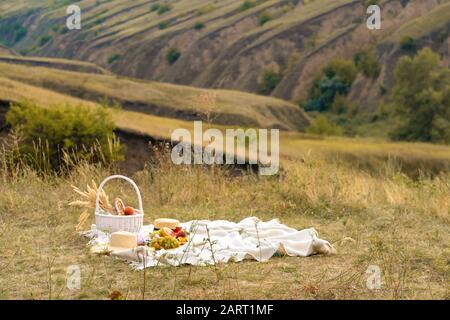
152,98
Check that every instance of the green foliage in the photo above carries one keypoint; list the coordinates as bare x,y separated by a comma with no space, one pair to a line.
43,40
322,126
269,81
99,21
154,7
163,25
246,5
114,58
442,36
343,70
19,34
368,3
264,18
422,98
337,78
173,55
408,44
367,63
12,32
164,8
63,130
340,104
199,25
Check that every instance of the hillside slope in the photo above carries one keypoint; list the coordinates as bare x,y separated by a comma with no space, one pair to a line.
223,44
162,99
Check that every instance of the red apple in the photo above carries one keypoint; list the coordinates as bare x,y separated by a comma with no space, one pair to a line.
128,211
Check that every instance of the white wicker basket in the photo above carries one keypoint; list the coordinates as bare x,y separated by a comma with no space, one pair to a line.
110,223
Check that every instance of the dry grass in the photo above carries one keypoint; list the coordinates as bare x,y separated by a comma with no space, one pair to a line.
241,107
391,221
435,20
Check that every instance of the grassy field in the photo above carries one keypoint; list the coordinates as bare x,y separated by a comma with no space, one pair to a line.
398,224
377,216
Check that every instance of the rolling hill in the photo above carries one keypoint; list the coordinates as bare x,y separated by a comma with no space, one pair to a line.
228,44
161,99
50,86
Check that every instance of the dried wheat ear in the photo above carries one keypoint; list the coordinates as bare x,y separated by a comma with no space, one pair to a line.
87,201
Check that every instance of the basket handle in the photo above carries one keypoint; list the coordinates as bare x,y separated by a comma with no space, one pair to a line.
100,188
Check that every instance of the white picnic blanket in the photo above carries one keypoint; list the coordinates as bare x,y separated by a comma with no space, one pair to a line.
221,241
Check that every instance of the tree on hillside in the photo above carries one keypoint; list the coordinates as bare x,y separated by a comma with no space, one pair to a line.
421,96
337,79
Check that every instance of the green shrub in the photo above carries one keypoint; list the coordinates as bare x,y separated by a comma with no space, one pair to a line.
442,36
246,5
264,18
269,81
154,7
367,63
173,55
408,44
344,70
19,33
340,104
368,3
337,78
99,21
199,25
163,25
50,134
12,32
164,8
113,58
322,126
43,40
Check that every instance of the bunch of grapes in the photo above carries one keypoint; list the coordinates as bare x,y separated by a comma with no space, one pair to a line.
164,243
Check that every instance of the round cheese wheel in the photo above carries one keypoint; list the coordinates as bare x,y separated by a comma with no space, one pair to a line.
168,223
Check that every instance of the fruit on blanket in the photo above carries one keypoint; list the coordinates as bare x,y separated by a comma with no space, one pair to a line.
119,207
167,232
164,243
180,234
182,240
177,229
128,211
167,238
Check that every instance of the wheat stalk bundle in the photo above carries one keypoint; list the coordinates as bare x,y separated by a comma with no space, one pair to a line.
87,201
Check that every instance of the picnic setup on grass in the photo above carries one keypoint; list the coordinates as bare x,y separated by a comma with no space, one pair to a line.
119,231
